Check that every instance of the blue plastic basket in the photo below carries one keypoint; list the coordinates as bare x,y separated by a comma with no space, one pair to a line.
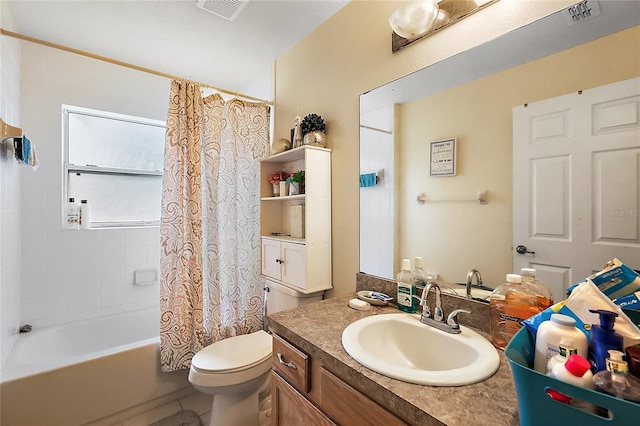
537,408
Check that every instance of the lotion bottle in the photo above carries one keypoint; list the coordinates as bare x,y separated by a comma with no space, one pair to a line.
407,290
548,340
603,339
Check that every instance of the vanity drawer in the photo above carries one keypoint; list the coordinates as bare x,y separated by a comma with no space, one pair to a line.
292,364
347,405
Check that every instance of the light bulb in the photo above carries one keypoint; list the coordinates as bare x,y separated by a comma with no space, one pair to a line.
414,18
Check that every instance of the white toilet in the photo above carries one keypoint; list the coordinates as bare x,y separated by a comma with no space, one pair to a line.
236,371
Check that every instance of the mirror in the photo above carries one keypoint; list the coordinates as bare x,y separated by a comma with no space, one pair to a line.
470,97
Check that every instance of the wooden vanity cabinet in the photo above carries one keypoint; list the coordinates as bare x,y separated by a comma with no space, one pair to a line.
302,398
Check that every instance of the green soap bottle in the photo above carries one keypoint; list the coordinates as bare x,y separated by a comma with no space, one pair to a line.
407,290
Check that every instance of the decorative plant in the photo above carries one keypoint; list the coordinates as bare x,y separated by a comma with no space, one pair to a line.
298,176
278,177
311,123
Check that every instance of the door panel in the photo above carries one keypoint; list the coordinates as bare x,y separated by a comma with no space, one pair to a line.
576,172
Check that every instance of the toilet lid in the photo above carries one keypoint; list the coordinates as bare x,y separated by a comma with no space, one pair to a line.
234,353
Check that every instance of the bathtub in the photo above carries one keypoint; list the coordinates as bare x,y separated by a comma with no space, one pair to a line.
81,372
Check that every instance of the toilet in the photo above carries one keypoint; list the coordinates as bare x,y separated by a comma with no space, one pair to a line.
236,371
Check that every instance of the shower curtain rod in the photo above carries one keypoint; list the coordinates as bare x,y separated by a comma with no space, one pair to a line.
124,64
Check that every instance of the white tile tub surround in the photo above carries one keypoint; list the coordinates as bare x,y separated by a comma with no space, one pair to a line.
76,275
10,189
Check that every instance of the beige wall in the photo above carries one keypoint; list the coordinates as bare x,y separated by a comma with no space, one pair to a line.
350,54
461,236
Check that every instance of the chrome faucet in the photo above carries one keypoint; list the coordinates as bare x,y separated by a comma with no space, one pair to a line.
437,318
473,273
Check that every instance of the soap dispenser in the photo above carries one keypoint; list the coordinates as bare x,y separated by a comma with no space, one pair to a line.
603,339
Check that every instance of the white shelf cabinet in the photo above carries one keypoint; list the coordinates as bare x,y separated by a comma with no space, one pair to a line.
307,261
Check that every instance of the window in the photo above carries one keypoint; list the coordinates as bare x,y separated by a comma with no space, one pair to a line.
115,162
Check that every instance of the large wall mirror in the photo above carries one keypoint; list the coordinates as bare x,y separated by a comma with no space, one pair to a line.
407,211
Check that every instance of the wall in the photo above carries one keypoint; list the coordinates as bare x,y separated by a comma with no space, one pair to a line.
325,75
72,275
10,189
478,114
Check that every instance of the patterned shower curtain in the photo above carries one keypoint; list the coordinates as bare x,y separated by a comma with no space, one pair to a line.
210,285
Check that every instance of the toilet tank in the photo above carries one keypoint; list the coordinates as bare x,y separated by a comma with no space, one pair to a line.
281,298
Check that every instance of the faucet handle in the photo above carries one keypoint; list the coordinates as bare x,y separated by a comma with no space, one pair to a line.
451,319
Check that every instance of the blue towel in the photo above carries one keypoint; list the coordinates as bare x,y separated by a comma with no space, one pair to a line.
367,180
26,149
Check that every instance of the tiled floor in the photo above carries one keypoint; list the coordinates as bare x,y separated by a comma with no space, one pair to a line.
197,402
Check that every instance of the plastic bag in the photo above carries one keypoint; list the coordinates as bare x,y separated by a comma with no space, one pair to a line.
586,296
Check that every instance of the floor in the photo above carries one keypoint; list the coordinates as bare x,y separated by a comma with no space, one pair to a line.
197,402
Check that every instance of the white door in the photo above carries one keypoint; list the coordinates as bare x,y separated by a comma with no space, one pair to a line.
576,172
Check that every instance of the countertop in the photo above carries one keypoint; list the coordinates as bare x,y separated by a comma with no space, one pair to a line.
317,328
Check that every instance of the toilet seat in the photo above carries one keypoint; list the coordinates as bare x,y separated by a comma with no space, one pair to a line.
234,354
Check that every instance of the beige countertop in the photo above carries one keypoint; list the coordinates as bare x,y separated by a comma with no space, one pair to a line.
317,330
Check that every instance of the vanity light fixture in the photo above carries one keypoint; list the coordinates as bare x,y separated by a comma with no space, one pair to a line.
415,20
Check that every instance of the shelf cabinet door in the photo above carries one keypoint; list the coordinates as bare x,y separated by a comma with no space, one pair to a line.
294,264
271,259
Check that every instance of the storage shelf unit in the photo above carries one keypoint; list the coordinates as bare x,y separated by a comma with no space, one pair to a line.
274,212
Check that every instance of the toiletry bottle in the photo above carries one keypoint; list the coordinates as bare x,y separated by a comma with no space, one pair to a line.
538,287
71,214
418,274
633,359
615,379
603,339
407,292
548,340
510,304
574,371
84,215
566,348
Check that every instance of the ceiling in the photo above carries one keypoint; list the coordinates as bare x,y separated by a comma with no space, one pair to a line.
178,38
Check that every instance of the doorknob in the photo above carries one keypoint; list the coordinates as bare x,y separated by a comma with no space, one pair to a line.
523,250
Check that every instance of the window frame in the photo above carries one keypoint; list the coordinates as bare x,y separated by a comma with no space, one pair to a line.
69,168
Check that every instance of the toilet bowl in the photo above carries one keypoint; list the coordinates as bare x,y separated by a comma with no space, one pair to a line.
236,371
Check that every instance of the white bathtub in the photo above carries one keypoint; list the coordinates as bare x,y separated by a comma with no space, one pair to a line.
85,371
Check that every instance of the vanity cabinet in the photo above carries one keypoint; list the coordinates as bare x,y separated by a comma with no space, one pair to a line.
302,263
306,393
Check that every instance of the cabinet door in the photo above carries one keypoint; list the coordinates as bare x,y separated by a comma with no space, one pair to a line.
290,408
348,406
271,259
294,265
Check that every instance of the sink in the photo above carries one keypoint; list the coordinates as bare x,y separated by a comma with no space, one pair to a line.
401,347
460,289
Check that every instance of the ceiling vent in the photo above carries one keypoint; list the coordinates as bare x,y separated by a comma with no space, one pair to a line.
227,9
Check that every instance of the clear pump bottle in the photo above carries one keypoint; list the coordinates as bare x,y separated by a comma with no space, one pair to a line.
418,273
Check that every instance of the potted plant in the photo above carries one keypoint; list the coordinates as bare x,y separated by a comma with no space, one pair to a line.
275,180
296,183
313,130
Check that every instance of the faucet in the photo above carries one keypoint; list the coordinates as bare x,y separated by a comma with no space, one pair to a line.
473,273
437,318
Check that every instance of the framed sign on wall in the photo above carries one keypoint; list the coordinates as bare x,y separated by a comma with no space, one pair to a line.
443,157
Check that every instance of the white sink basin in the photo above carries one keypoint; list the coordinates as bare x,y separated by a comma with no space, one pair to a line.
401,347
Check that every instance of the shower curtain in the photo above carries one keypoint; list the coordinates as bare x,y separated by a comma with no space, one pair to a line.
210,284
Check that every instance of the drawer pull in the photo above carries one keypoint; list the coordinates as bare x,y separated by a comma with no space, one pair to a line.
288,364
